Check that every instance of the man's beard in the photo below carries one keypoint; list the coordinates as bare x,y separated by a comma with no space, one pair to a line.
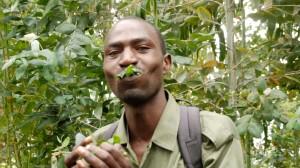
136,97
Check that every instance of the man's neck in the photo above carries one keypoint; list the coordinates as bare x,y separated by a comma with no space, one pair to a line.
142,120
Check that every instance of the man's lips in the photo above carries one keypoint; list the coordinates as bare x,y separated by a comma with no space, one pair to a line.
131,78
129,71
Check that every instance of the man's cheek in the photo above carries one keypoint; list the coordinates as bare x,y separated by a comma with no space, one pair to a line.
109,73
112,86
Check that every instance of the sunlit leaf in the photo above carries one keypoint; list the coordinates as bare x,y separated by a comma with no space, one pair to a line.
191,20
182,77
8,63
98,112
79,137
65,142
210,64
203,13
30,37
60,57
243,123
261,85
268,110
65,28
255,128
60,100
37,62
46,123
51,4
47,74
294,124
77,38
182,60
50,55
277,94
20,71
253,97
122,5
116,139
298,110
35,45
200,37
78,49
267,4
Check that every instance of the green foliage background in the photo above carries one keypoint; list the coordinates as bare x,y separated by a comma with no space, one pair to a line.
52,85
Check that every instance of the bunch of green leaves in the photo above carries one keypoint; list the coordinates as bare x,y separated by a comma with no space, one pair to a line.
129,72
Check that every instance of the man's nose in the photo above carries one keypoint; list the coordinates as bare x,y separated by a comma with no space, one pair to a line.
128,57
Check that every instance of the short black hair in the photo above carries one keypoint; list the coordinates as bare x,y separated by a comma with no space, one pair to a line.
160,36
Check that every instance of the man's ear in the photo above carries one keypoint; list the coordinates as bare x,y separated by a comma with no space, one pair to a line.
167,63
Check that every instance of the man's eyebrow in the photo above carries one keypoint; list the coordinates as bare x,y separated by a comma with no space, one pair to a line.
114,45
132,42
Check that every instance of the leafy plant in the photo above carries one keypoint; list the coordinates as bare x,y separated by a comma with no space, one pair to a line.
52,84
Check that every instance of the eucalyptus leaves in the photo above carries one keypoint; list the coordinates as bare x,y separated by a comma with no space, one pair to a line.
129,72
114,140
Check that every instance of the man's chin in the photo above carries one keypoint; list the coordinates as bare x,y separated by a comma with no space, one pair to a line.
134,97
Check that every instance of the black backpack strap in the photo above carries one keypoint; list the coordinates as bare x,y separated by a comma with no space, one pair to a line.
189,137
107,134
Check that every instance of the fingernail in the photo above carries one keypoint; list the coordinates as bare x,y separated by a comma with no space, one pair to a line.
88,139
80,149
118,146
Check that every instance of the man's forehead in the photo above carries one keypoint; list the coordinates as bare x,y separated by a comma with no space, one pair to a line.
132,24
131,29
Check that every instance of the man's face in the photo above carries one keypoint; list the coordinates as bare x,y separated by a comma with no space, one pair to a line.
132,42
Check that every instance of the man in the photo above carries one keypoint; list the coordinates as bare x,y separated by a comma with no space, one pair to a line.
149,125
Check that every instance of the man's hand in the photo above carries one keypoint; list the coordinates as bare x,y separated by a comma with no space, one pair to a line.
104,156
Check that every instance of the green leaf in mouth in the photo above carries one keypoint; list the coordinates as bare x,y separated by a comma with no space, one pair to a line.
99,140
128,72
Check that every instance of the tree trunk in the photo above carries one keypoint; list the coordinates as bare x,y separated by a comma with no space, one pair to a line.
231,57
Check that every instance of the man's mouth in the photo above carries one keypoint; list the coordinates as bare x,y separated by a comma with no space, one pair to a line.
129,72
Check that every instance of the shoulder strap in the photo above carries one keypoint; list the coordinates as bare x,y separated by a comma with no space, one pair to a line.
189,137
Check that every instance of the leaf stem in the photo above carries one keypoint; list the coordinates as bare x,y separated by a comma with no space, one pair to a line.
296,148
248,150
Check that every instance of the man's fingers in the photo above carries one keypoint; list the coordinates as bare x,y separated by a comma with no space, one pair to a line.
90,158
104,156
84,142
117,154
71,159
81,164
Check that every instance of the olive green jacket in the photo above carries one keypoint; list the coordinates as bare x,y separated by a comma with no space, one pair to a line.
221,146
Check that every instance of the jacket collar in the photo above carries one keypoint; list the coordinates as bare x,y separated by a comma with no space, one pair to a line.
165,134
